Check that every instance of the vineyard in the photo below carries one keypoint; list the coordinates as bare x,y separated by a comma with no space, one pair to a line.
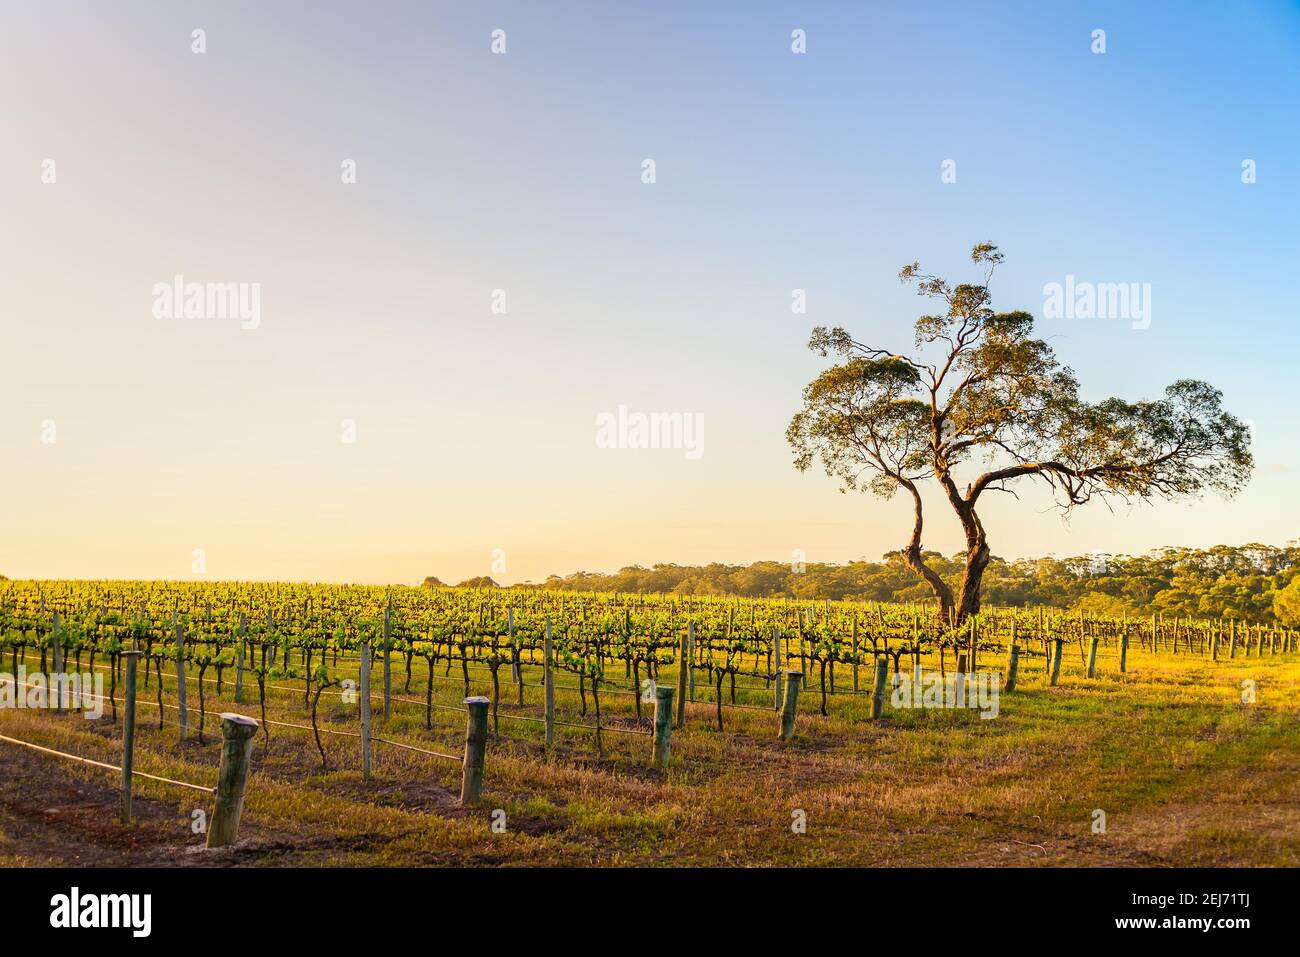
642,728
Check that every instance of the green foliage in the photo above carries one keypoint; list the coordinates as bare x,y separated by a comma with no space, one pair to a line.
1286,604
482,581
1240,582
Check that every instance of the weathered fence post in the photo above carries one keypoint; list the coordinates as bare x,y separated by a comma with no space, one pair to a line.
1232,641
58,684
1123,649
514,651
1013,669
959,689
790,706
690,659
471,782
1056,659
777,665
239,660
237,734
388,662
878,692
364,691
1092,657
855,653
663,725
682,651
128,733
182,710
549,678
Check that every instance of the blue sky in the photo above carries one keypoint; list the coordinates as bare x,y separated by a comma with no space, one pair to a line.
521,171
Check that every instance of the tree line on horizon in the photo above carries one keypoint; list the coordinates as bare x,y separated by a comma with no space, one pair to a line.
1248,582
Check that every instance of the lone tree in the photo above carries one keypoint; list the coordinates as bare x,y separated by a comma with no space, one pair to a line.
979,391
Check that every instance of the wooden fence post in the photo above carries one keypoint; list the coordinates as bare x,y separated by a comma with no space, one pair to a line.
790,707
778,665
549,678
128,733
878,692
1092,657
388,663
182,709
237,734
1232,642
855,653
56,646
1013,668
239,660
682,652
1123,649
690,659
365,707
471,782
514,655
663,725
1056,660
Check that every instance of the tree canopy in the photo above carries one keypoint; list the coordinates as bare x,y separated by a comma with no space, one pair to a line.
1225,581
981,401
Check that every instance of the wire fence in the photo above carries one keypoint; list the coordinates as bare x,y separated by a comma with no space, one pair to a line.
106,766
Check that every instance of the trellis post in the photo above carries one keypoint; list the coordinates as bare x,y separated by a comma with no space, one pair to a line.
237,733
471,784
878,692
128,732
365,707
790,707
239,660
1013,669
663,725
388,662
682,651
549,678
778,665
180,677
56,646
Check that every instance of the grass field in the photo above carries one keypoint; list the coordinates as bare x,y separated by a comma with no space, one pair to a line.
1185,773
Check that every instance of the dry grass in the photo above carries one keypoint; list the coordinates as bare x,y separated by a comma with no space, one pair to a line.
1185,773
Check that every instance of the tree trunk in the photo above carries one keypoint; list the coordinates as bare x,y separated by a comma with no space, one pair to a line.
976,561
912,558
977,550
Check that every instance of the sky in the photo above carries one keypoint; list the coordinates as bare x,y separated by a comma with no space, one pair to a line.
384,418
